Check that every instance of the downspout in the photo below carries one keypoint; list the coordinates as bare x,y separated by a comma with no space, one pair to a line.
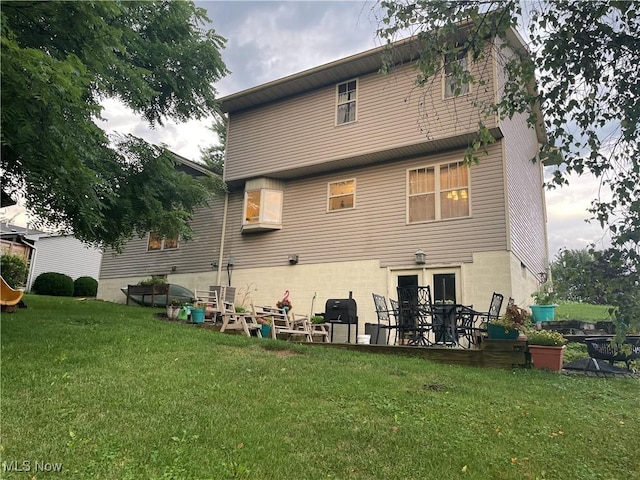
222,235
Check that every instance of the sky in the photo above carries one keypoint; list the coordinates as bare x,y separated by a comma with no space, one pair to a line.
270,40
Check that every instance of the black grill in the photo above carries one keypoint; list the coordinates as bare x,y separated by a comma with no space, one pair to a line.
340,310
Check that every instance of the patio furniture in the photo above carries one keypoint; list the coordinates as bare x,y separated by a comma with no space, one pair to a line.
213,306
246,322
492,314
445,323
387,319
415,319
281,323
602,348
467,327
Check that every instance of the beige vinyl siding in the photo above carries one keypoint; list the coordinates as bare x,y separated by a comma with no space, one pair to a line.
391,113
526,199
192,256
376,228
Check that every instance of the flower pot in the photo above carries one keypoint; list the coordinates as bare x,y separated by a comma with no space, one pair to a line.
183,313
496,332
543,313
265,330
548,358
197,315
172,312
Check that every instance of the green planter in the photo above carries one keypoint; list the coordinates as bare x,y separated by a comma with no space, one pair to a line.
496,332
265,330
543,313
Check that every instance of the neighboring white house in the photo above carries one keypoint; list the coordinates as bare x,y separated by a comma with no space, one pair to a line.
62,254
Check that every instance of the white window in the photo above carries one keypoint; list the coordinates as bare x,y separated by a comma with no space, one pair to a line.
156,242
341,195
454,66
346,102
438,192
262,209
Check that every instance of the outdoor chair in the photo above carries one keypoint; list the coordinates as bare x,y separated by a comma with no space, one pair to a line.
303,322
210,298
467,329
281,323
415,320
387,319
494,309
246,322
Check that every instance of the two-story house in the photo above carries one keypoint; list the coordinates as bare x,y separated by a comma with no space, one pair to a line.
340,177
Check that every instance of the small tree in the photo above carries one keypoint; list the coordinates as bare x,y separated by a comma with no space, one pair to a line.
14,269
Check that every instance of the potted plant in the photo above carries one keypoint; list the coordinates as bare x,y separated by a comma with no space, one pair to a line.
197,312
546,348
544,308
285,304
173,309
317,319
265,326
510,325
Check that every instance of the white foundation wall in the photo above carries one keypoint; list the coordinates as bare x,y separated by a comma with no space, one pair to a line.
490,272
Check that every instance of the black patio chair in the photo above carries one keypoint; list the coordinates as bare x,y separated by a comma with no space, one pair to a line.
416,316
387,319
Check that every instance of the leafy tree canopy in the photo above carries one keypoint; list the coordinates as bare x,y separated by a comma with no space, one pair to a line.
592,276
59,60
584,58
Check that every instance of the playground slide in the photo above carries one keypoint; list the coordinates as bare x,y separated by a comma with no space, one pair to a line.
9,296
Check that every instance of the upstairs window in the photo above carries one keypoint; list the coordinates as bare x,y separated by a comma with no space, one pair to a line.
455,71
346,102
342,195
438,192
262,209
156,242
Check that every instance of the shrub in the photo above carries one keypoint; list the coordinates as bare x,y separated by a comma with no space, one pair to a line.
154,280
85,287
14,269
53,283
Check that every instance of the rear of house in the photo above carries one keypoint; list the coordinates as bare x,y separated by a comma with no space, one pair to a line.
338,175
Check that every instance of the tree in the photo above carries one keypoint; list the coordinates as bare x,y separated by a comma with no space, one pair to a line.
593,276
583,57
213,156
59,60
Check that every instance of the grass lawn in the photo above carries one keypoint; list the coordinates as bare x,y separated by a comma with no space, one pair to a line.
582,311
110,392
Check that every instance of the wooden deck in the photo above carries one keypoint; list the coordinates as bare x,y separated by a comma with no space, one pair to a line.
493,354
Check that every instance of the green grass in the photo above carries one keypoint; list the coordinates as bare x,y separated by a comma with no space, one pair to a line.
582,311
113,393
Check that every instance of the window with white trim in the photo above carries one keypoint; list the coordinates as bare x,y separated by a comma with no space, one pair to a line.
262,209
454,66
346,102
156,242
341,195
438,192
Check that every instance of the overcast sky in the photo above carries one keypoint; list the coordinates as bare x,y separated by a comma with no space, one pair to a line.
270,40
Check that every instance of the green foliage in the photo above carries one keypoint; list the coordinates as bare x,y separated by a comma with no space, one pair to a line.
153,280
53,283
547,338
592,276
544,295
514,318
59,61
14,269
213,156
198,404
85,287
317,319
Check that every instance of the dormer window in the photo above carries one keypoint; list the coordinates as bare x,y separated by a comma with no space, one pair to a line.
346,102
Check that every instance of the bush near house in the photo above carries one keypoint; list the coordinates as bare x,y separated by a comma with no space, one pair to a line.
53,283
14,269
85,287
